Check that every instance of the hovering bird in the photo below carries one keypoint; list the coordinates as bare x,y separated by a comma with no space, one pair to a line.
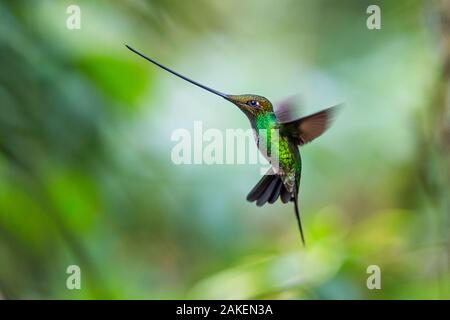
283,179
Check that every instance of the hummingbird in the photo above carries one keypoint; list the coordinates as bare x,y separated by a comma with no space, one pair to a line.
283,178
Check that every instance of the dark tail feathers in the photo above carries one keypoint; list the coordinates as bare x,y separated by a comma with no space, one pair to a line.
268,189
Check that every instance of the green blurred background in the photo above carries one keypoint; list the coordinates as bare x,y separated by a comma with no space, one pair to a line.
86,176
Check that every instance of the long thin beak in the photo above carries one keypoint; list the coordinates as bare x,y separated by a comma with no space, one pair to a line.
180,75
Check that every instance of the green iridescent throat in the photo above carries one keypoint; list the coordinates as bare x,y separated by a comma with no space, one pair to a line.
279,149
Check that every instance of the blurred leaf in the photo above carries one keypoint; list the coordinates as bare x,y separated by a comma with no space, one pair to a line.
119,79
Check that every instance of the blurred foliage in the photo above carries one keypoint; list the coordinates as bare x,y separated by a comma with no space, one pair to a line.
85,170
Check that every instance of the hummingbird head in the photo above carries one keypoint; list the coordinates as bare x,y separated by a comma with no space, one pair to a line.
251,104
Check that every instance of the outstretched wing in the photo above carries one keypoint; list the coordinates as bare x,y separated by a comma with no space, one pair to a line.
306,129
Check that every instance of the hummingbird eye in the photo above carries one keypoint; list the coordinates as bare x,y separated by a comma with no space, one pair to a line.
253,103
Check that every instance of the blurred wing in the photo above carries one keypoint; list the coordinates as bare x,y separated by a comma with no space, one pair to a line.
306,129
286,110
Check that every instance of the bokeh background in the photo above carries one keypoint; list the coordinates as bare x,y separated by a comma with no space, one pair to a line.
86,176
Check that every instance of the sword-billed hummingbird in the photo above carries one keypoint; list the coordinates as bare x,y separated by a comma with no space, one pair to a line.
282,180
